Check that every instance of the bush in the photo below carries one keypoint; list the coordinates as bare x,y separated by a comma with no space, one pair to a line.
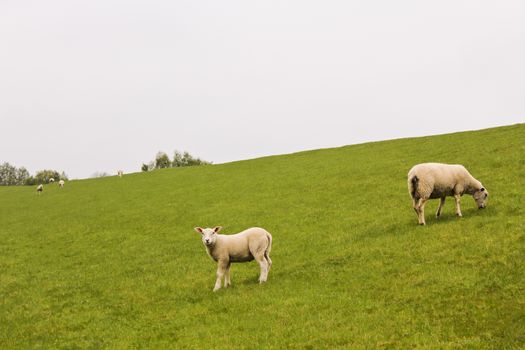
162,161
186,159
43,176
179,160
99,174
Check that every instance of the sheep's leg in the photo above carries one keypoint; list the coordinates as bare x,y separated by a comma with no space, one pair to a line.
421,210
440,207
263,263
414,205
221,269
457,197
227,281
268,260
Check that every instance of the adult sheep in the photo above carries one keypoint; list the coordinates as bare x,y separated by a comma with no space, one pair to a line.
61,183
253,243
39,189
435,180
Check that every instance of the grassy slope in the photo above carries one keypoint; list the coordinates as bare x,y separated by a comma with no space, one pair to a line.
115,263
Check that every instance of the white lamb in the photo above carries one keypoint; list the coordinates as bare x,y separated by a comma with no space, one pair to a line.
39,188
436,180
61,183
253,243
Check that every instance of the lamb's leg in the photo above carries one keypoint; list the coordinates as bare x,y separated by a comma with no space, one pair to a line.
414,205
457,197
440,207
221,269
227,281
420,207
263,263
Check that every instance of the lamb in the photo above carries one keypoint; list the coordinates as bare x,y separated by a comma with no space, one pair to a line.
436,180
39,189
61,183
253,243
120,173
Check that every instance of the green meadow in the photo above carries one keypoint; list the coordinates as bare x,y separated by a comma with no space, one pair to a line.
114,262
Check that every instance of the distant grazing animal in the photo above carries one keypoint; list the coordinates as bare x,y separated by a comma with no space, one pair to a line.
120,173
51,180
436,180
253,243
39,188
61,183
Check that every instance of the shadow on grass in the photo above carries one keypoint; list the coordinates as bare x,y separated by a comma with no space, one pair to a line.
448,217
407,224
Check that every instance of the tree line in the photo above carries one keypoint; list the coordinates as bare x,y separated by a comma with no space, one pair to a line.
162,160
10,175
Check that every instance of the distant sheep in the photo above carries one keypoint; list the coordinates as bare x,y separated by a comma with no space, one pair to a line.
253,243
39,189
120,173
51,180
436,180
61,183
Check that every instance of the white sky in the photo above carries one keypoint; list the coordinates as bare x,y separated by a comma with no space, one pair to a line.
102,85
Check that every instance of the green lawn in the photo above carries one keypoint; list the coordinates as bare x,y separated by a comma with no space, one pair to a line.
115,263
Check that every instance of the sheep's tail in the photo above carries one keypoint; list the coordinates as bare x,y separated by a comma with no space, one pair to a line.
413,186
269,247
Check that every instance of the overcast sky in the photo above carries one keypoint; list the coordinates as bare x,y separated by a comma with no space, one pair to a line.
102,85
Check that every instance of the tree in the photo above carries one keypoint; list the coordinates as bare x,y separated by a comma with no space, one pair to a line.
43,176
11,175
7,174
162,161
178,160
186,159
21,176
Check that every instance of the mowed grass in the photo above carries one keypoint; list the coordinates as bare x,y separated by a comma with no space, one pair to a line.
115,263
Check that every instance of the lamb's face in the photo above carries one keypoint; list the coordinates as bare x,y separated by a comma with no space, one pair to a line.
209,235
481,196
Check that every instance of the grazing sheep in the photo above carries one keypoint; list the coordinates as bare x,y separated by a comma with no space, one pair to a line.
51,180
120,173
61,183
253,243
39,188
436,180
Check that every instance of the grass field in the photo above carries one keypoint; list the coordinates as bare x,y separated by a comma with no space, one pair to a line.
115,263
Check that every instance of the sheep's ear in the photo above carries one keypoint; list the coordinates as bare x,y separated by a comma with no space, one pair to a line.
198,229
482,189
217,229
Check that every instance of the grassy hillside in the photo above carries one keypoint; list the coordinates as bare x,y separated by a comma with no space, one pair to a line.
115,263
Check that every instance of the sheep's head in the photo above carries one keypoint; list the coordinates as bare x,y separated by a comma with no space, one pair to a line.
209,235
480,196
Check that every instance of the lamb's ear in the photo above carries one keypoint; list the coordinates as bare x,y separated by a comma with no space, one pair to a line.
482,189
217,229
198,229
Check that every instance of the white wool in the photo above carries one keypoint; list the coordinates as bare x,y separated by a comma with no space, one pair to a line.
436,180
253,243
